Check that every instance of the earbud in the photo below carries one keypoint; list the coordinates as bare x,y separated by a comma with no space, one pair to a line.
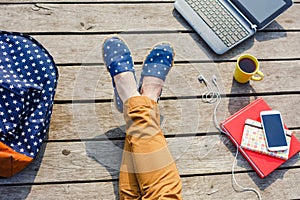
214,80
211,95
201,79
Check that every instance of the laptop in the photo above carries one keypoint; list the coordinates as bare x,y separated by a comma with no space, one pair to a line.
223,24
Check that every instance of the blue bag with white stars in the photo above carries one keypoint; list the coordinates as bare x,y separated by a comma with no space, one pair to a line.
28,79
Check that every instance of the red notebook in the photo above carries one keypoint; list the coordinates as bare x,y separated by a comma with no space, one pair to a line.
234,125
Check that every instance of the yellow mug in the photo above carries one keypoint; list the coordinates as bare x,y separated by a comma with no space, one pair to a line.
247,68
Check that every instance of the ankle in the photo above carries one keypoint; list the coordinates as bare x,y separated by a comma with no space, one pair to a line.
126,85
152,87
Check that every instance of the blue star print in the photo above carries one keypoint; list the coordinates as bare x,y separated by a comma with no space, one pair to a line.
28,78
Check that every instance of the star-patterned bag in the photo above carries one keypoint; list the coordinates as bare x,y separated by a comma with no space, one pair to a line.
28,79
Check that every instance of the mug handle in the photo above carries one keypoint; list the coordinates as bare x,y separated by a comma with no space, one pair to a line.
258,76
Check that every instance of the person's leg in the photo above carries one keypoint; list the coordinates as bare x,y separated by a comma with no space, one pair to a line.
154,166
148,170
118,61
128,184
146,158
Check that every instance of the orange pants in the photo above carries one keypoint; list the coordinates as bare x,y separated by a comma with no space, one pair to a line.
148,170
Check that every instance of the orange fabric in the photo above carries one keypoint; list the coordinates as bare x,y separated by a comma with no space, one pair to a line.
148,170
11,162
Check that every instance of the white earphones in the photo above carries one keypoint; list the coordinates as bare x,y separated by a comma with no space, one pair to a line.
210,96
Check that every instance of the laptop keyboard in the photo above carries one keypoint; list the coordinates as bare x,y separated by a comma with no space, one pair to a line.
219,19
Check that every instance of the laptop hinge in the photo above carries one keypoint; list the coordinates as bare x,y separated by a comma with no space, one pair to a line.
252,26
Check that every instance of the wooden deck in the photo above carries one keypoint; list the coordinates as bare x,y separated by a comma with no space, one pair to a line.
81,156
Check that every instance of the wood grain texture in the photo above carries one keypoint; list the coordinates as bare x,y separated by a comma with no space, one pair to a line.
90,17
82,1
197,187
81,157
84,49
94,82
94,160
87,1
185,116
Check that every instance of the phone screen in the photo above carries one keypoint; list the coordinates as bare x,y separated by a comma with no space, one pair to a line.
274,130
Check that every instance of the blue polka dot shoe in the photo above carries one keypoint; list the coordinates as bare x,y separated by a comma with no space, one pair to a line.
158,62
117,58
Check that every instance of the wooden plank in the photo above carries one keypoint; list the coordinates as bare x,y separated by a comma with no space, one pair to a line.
276,186
87,1
98,18
100,160
69,168
101,191
94,82
87,17
86,121
189,47
196,187
83,1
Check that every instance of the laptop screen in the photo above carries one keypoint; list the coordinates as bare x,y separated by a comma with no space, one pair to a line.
262,12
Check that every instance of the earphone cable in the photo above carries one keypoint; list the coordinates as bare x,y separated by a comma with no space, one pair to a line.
211,96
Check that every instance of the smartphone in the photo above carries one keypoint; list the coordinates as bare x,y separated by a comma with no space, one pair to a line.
274,130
